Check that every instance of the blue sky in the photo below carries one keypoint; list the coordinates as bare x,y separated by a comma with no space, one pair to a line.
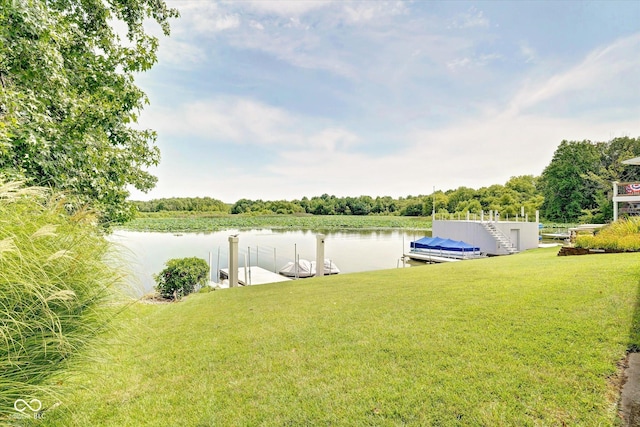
284,99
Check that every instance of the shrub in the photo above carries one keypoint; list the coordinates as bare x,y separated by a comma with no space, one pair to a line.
55,276
622,235
585,242
181,277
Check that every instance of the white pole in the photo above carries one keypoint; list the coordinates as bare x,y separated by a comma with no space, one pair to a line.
246,282
233,261
249,257
218,266
615,202
295,260
275,268
210,265
433,210
320,255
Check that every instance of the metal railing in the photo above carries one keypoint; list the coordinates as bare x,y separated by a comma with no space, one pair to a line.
459,216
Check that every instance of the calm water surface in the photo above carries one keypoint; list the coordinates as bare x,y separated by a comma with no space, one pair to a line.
351,251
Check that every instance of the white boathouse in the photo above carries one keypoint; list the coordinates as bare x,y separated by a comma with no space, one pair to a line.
492,236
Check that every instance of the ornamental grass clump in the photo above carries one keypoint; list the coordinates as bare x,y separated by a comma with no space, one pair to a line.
621,235
55,277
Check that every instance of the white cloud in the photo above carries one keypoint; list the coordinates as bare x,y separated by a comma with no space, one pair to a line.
527,52
332,139
287,7
458,63
225,120
248,122
365,12
203,17
179,54
472,18
294,43
473,62
226,22
257,25
338,37
608,73
476,153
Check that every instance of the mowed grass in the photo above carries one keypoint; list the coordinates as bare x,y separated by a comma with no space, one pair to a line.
529,339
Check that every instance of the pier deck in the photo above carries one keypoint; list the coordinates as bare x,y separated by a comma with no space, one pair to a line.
430,258
255,276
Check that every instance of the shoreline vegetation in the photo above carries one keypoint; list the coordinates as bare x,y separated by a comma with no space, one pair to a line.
210,223
529,339
206,222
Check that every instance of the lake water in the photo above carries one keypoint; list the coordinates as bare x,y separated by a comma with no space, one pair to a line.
351,251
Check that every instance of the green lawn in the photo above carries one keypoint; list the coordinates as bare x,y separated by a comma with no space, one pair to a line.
529,339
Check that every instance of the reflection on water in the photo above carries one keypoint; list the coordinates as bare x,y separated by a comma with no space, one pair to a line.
352,251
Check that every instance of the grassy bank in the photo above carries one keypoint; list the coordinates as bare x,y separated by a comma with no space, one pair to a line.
210,223
529,339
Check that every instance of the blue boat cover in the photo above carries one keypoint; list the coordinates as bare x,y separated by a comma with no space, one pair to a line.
438,243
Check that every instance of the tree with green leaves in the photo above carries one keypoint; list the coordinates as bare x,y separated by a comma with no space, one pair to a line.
68,100
524,185
612,155
577,184
563,184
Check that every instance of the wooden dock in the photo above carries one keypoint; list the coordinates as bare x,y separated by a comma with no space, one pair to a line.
254,276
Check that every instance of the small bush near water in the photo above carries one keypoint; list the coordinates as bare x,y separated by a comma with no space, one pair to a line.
181,277
55,276
622,235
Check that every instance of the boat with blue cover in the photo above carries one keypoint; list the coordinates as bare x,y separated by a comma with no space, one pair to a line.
438,249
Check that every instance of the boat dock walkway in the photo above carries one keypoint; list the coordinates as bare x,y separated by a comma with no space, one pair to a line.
429,257
254,276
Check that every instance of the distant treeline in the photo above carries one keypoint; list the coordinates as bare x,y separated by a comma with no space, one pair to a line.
183,204
508,199
574,187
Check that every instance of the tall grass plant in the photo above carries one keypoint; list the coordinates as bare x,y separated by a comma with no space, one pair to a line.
56,274
621,235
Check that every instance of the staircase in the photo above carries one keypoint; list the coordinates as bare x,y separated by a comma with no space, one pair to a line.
503,241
